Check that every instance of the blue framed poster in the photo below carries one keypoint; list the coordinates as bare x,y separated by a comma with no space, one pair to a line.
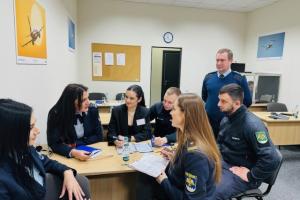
71,34
270,46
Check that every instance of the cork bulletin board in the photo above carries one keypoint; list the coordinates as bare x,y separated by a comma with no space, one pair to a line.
112,62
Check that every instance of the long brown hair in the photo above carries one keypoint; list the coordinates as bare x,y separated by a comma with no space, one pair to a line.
197,130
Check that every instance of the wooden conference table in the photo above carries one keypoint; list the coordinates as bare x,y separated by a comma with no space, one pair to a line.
258,107
282,132
109,178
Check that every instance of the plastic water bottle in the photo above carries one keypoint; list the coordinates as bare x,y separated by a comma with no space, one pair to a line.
296,111
153,141
122,98
125,152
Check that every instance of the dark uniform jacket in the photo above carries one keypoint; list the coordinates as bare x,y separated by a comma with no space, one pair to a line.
63,146
163,124
10,188
190,177
244,141
118,124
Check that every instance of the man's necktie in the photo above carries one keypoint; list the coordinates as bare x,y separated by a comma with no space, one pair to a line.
221,76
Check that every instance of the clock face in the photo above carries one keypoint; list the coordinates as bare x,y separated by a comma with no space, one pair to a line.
168,37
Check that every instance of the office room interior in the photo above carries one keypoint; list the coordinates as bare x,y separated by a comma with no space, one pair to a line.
199,32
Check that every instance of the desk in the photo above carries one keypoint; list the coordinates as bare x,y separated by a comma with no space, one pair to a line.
109,179
258,107
282,132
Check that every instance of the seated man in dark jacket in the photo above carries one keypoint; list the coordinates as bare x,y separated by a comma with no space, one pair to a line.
249,156
164,132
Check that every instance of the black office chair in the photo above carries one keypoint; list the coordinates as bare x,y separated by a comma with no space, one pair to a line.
276,107
257,193
265,98
119,96
96,96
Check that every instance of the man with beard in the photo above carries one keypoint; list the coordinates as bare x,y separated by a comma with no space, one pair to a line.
249,156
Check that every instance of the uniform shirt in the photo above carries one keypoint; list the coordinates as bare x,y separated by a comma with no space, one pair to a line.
163,125
244,141
211,87
190,177
79,129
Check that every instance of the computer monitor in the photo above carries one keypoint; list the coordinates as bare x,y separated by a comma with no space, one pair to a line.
239,67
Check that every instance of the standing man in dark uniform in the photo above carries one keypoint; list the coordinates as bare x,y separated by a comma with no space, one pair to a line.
164,132
215,80
249,156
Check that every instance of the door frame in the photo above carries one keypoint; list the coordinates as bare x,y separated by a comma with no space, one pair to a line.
162,47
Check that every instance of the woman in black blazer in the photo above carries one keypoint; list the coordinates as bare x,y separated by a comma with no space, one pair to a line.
130,119
73,122
22,169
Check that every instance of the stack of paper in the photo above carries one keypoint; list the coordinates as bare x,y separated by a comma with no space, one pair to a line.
141,147
150,164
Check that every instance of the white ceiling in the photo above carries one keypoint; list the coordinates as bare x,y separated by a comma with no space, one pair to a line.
229,5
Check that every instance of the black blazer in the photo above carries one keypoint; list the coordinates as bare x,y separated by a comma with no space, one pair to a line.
92,132
118,124
10,188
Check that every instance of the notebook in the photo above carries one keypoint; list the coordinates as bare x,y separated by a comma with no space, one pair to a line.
94,152
150,164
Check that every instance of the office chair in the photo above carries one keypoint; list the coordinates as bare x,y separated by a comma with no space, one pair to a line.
119,96
257,193
96,96
265,98
276,107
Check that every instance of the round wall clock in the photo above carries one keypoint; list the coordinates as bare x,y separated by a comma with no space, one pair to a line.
168,37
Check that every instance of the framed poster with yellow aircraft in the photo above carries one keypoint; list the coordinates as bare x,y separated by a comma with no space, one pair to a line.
30,26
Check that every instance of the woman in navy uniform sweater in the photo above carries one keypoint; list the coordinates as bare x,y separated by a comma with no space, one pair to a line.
73,122
22,169
195,166
130,119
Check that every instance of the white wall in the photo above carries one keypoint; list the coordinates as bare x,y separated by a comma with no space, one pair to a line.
199,32
38,85
280,17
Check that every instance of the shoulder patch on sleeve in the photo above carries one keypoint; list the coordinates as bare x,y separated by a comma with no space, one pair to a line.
238,77
190,182
261,137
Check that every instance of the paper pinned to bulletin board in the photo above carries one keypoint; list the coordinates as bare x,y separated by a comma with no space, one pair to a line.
112,62
30,23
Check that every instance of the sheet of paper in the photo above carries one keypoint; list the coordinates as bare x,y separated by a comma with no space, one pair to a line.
150,164
109,58
97,63
121,59
143,147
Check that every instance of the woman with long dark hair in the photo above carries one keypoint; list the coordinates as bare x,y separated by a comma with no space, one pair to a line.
130,119
22,169
73,122
195,166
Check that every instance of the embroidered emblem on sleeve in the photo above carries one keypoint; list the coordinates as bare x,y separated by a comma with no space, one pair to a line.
261,137
190,182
